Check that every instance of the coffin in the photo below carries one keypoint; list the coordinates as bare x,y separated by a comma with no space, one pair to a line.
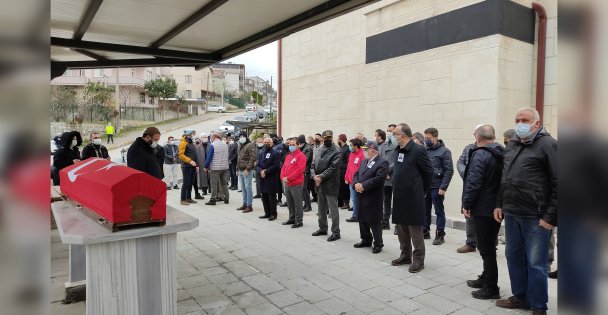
120,195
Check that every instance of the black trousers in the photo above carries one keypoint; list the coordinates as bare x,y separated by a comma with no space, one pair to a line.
388,201
486,230
234,179
305,193
195,186
371,231
312,188
269,201
343,192
189,175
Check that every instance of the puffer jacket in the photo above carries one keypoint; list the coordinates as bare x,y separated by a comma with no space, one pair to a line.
327,166
187,152
482,179
171,151
443,168
529,178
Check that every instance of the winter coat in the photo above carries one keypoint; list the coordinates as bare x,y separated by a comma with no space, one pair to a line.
354,161
140,156
92,150
293,168
203,176
159,153
529,178
247,156
187,152
481,182
412,176
232,153
387,151
268,160
171,152
463,160
307,150
371,174
441,158
327,167
65,155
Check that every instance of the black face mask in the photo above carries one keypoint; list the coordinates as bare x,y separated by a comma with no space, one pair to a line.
318,141
506,142
198,142
267,146
327,143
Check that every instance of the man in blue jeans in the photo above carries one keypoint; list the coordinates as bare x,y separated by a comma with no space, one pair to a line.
247,156
443,169
528,203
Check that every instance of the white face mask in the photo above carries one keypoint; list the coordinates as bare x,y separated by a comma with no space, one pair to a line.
231,141
175,142
154,144
97,141
205,140
74,143
242,140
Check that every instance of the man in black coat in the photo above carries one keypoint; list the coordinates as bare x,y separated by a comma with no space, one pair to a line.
268,167
480,188
368,182
307,150
344,193
326,179
412,175
95,148
232,159
141,155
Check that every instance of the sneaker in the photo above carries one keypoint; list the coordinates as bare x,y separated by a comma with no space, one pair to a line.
511,303
427,235
439,238
476,284
191,201
184,203
465,249
175,187
487,293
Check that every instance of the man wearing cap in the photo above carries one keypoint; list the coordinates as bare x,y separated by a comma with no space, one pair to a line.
247,156
188,158
368,184
217,165
326,167
140,155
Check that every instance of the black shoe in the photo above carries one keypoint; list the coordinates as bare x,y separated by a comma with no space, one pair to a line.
352,219
362,244
401,261
226,201
486,293
427,235
333,237
168,187
553,274
264,216
319,232
284,204
297,225
314,200
307,209
476,284
288,222
219,199
272,218
439,238
211,202
199,197
386,226
175,187
256,196
350,209
376,250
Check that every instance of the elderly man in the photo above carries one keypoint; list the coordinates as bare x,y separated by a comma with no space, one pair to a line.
188,158
95,148
268,169
247,156
481,183
327,180
217,165
368,183
292,176
412,175
528,203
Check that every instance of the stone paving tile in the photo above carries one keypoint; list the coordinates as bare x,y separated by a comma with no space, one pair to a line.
295,283
302,308
387,311
208,303
313,294
240,268
204,291
193,281
231,309
187,306
451,293
263,309
263,283
223,278
437,303
359,300
421,282
249,299
409,291
383,294
284,298
333,306
325,282
405,305
234,288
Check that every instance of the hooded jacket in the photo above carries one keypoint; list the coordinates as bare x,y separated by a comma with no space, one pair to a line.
463,160
142,157
481,182
65,155
443,168
529,178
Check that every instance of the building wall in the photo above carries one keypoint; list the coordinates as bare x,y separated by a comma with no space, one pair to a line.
326,83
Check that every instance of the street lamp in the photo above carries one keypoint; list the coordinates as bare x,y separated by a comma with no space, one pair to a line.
122,154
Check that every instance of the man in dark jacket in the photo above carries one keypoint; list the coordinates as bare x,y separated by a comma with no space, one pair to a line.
171,166
368,182
68,154
412,175
441,158
140,155
344,193
307,151
268,168
95,148
470,244
232,159
327,168
387,151
528,201
481,184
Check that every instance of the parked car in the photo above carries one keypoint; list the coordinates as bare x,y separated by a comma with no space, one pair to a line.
251,108
226,127
218,108
252,116
241,118
261,115
267,109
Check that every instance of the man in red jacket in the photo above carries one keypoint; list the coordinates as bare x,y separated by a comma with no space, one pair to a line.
292,175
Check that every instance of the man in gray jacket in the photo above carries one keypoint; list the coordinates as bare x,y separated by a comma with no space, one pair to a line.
326,168
387,151
470,244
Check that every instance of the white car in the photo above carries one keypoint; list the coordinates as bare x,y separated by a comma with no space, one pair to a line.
250,108
216,108
226,127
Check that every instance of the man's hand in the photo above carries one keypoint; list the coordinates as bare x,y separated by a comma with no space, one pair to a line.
317,179
263,174
546,225
193,163
359,187
498,215
388,176
246,172
76,161
467,213
285,180
441,192
346,182
206,170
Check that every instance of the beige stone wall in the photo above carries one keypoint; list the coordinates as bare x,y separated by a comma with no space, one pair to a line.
327,85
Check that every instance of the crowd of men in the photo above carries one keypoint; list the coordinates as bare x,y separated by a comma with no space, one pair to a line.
398,174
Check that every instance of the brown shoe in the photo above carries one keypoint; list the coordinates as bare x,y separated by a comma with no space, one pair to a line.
511,303
415,268
465,249
190,201
401,261
184,203
243,207
247,209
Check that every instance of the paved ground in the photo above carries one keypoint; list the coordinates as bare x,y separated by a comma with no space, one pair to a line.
235,263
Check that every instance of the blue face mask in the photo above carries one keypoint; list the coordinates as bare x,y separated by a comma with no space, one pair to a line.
292,148
523,130
428,142
350,148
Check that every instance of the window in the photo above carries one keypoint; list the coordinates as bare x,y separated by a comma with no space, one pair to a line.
97,73
142,97
73,73
188,93
151,100
148,75
188,79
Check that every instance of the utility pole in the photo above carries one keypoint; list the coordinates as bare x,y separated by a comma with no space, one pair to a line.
117,100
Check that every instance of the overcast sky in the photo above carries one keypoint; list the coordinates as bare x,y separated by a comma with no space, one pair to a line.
261,62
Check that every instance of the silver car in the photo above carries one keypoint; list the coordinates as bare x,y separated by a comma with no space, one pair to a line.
216,108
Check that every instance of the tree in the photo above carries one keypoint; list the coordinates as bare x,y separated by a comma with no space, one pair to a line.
161,88
64,99
257,97
97,101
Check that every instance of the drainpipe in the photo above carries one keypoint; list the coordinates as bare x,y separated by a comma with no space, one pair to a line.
541,55
279,87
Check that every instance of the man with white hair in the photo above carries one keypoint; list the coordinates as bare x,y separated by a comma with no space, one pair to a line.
527,202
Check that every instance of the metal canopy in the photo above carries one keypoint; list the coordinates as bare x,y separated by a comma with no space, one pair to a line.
136,33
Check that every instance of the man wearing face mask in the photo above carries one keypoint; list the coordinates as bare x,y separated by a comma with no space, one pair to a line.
259,143
318,140
292,176
141,156
268,168
95,148
204,181
246,159
67,155
508,135
171,167
355,159
306,149
232,160
188,158
390,135
217,165
327,180
387,144
441,158
527,202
